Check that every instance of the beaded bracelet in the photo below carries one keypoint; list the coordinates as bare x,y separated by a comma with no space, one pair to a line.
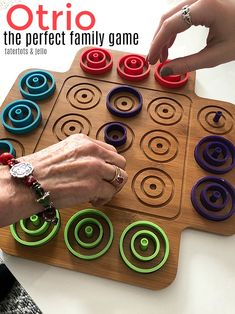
23,171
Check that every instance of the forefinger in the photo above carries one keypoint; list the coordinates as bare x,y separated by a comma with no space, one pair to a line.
170,27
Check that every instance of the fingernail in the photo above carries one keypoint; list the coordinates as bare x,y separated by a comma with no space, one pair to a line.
166,72
147,58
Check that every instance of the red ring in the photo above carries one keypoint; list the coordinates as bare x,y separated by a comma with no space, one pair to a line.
133,67
96,61
171,81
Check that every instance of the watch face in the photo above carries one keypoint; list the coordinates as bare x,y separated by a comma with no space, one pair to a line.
21,170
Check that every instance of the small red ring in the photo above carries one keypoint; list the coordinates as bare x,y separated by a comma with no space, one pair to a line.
90,65
130,73
171,81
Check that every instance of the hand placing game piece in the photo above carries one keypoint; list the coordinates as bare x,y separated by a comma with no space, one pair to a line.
217,15
74,171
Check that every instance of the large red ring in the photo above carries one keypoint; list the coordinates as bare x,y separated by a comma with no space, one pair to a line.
96,61
133,67
171,81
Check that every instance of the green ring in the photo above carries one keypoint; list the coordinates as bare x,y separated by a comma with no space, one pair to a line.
89,231
153,237
156,228
35,220
88,211
144,243
91,244
49,237
34,232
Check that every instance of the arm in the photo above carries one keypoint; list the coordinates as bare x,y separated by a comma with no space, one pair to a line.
74,171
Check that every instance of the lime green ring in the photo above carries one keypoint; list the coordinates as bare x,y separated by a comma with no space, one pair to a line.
88,211
34,232
153,237
91,244
144,243
156,228
89,231
35,220
45,240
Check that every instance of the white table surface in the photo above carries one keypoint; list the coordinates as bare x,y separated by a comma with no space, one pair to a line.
205,281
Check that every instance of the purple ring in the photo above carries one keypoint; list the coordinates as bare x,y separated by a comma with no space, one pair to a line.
119,113
211,163
207,212
219,149
218,192
120,128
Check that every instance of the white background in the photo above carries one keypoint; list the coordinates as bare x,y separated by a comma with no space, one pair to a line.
205,281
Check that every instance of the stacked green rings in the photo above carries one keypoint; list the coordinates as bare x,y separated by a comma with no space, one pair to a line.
85,218
40,230
146,235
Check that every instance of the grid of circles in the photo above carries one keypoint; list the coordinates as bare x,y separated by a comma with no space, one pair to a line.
139,236
33,231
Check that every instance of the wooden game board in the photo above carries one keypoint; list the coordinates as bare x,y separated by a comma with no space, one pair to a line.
160,163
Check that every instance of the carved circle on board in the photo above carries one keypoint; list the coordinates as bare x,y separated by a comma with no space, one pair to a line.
71,124
159,146
18,147
129,141
153,187
166,111
84,96
206,118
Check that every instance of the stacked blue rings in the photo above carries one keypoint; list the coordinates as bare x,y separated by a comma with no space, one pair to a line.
18,118
37,85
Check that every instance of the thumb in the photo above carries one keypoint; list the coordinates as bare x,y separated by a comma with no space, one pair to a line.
206,58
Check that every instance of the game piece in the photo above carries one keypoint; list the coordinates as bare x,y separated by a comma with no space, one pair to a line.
214,198
124,101
142,234
115,134
215,154
18,118
6,147
171,81
135,238
32,232
81,248
133,68
37,85
96,61
217,116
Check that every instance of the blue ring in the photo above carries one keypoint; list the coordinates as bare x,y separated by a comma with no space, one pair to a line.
26,127
119,113
9,146
33,88
40,92
22,120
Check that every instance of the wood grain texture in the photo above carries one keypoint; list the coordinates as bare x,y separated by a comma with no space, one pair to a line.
160,181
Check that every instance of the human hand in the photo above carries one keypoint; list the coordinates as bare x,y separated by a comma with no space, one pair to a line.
77,170
217,15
